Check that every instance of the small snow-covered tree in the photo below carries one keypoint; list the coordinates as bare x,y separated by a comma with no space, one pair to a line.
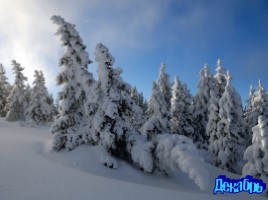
28,91
248,108
260,102
181,104
158,114
39,110
230,130
16,100
51,103
137,97
257,105
201,104
256,155
158,111
250,119
139,101
211,128
145,107
4,91
134,94
220,77
67,128
164,85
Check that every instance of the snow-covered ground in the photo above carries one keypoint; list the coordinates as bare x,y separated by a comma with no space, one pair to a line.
30,170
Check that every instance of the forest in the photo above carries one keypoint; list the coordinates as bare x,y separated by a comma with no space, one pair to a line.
172,130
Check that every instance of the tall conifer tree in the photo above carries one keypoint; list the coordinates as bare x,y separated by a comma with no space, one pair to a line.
16,101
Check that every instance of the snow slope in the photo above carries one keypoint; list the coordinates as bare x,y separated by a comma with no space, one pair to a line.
30,170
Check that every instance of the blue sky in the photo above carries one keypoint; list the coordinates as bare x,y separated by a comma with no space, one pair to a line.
184,34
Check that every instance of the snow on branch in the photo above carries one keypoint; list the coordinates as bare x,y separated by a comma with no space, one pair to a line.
178,151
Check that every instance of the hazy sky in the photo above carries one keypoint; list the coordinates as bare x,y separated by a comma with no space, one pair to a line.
184,34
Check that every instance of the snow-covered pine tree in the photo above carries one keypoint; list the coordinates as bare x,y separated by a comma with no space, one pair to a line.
4,91
158,114
201,104
230,130
164,85
260,102
118,115
68,128
137,97
134,94
139,101
9,87
158,111
50,102
220,77
257,105
28,91
211,128
16,100
256,155
250,119
181,105
248,108
145,108
39,111
57,108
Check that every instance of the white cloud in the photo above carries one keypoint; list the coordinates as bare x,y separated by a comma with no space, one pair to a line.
27,34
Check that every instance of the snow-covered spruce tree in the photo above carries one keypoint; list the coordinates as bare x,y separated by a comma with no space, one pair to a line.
28,91
250,118
201,104
211,128
39,111
248,108
4,91
139,101
117,117
158,111
145,107
220,77
137,97
54,110
158,114
181,105
257,105
67,128
230,130
256,155
260,102
16,100
164,85
142,101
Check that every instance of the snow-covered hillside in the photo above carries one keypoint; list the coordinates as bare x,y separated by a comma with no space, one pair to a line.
30,170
